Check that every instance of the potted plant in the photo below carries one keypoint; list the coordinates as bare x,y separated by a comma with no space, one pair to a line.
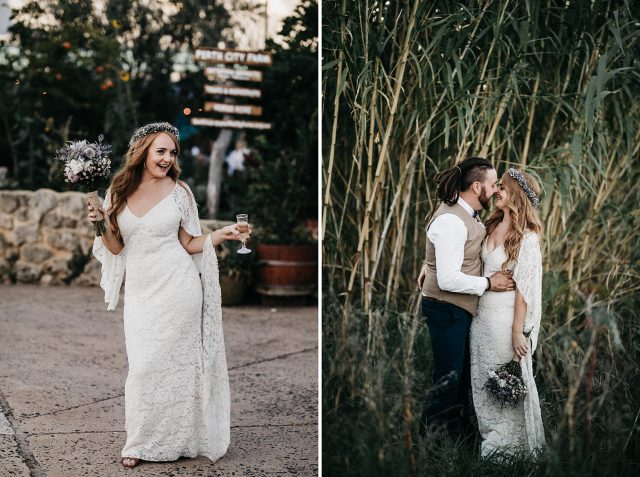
235,273
289,269
285,237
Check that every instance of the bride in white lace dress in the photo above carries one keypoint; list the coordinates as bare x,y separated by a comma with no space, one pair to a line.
498,330
177,388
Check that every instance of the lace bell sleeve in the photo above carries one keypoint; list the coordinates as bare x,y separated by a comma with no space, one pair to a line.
528,277
217,401
189,220
113,266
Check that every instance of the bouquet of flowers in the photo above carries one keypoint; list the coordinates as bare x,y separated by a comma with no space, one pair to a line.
506,383
87,163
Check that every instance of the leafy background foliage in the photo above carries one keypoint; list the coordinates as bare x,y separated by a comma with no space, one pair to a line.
69,71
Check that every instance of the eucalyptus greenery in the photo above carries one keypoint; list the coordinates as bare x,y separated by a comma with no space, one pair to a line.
545,86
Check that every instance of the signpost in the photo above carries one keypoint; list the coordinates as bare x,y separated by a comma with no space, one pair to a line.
218,71
215,73
215,55
247,109
230,123
232,91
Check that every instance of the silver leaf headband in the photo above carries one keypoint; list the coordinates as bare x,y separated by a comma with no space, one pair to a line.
517,175
154,128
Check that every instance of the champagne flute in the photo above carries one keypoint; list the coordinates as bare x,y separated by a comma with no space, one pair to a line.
243,228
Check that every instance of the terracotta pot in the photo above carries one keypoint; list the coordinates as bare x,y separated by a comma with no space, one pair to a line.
287,270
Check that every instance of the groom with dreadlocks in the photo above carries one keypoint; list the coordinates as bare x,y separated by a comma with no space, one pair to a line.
451,282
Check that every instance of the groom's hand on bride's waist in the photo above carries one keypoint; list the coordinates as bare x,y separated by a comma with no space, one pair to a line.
501,282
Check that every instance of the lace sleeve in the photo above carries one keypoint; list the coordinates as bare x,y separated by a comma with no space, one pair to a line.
528,277
113,267
217,402
189,220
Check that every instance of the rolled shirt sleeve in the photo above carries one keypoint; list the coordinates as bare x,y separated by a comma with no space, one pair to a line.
448,235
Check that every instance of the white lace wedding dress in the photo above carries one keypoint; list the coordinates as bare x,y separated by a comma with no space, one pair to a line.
507,429
177,388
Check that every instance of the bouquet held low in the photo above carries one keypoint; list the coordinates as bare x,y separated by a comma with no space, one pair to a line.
87,163
505,384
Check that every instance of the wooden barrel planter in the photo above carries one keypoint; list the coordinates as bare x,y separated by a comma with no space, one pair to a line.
287,270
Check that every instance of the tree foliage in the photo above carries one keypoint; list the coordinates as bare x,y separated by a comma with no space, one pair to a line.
71,71
283,191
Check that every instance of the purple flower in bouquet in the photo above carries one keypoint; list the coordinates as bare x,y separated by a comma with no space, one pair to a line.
505,384
87,163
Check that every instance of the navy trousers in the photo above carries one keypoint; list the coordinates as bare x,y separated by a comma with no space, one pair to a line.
447,402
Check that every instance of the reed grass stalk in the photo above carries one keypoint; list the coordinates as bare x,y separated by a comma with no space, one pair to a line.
412,88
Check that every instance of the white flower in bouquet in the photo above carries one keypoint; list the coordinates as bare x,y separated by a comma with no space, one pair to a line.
87,163
505,384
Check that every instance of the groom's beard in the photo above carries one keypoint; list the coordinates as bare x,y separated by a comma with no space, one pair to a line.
485,200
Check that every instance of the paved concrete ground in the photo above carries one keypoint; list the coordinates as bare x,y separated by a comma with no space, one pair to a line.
62,372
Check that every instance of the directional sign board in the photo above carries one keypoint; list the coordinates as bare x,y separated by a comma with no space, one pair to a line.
230,123
215,55
215,73
218,73
233,108
232,91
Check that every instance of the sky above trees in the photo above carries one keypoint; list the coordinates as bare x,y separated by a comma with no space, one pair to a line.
277,11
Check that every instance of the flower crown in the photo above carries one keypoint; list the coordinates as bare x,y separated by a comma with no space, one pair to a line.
517,175
154,128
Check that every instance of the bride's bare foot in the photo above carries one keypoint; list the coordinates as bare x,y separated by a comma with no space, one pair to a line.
130,461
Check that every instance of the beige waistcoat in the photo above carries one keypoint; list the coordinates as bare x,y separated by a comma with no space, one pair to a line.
471,265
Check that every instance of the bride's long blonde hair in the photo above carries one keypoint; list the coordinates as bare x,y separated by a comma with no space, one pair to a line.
128,177
523,216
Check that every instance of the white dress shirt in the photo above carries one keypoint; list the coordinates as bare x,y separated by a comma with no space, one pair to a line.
448,235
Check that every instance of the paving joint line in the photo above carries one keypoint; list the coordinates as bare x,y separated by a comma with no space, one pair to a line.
52,413
294,424
274,358
24,451
36,434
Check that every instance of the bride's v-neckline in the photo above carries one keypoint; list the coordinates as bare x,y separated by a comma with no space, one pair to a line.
493,250
156,205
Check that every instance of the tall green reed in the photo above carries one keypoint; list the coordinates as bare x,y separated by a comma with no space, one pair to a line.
411,88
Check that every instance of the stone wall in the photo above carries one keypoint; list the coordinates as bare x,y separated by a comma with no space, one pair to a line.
46,238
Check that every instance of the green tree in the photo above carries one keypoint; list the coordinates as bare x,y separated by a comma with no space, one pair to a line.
283,190
69,71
